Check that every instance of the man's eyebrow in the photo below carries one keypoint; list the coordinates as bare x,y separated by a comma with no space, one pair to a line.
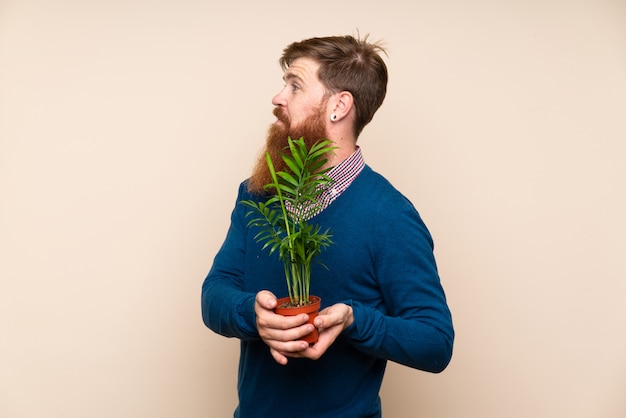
292,76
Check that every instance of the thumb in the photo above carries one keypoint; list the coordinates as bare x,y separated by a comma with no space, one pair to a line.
323,320
266,299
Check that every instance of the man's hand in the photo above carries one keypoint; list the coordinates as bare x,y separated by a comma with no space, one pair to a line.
281,333
330,322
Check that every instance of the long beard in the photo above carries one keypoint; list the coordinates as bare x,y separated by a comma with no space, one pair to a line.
312,130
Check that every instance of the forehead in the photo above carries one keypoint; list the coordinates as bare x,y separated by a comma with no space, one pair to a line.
303,69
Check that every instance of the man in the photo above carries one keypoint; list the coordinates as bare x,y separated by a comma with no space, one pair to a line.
381,289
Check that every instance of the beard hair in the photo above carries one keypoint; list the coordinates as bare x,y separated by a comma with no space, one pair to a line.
312,129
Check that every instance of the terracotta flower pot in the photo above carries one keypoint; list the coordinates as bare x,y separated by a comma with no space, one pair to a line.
312,309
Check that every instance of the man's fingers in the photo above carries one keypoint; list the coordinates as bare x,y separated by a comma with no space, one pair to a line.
287,334
266,299
278,357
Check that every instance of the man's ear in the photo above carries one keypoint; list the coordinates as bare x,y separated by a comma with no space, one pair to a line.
343,105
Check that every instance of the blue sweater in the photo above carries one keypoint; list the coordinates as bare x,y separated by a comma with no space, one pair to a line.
381,263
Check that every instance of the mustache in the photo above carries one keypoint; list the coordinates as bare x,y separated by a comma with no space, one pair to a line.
280,115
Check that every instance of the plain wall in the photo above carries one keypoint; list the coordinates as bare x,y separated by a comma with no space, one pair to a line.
126,126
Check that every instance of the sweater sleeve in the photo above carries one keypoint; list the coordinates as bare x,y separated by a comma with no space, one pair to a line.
415,326
226,308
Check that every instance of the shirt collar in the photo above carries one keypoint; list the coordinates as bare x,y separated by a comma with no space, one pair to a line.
346,171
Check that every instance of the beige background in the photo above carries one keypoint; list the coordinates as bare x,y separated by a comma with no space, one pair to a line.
125,127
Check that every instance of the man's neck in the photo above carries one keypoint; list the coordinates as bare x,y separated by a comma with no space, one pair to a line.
345,148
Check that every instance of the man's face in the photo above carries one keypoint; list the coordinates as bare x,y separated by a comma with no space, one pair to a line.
302,94
301,111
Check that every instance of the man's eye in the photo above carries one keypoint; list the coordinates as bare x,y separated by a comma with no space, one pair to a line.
295,87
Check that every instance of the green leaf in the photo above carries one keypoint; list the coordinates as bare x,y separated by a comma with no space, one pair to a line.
293,164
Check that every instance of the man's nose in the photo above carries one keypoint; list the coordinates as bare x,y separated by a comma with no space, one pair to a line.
279,99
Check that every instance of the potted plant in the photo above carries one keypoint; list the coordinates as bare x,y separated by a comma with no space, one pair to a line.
282,219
